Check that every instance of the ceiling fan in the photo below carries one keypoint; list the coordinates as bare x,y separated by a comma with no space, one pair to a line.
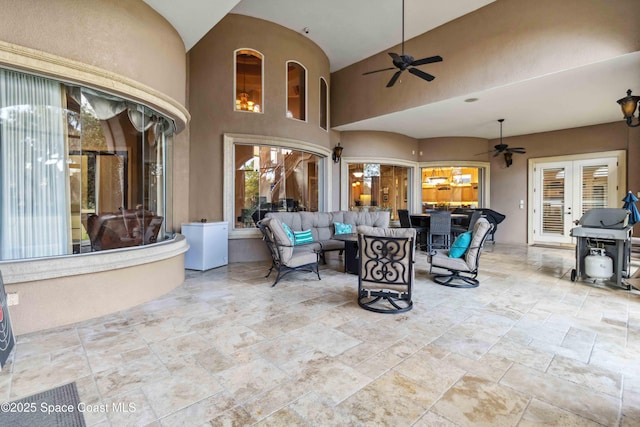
404,62
503,148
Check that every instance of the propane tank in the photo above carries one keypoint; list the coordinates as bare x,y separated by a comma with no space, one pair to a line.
598,265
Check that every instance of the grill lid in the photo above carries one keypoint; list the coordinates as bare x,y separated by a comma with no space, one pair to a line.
615,218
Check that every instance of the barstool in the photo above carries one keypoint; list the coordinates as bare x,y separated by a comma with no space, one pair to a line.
439,226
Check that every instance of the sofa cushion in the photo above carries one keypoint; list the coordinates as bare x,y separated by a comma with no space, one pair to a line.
341,228
321,224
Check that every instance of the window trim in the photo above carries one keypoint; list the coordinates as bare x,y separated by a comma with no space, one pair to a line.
228,200
306,95
235,83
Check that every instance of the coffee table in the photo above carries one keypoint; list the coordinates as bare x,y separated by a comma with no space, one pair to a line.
350,251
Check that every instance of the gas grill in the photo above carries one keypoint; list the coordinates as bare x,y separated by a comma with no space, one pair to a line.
606,230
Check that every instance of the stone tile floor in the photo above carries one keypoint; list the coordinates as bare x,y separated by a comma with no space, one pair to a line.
527,347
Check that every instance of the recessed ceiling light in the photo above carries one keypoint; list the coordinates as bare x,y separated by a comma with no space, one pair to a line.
471,99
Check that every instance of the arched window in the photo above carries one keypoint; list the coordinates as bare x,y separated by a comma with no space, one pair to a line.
324,104
296,91
248,75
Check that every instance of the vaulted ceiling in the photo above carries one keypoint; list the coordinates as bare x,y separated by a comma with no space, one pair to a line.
351,30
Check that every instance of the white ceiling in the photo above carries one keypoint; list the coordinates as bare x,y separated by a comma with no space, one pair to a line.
351,30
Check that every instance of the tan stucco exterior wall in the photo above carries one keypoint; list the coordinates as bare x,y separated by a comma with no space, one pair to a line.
123,47
510,185
122,36
212,97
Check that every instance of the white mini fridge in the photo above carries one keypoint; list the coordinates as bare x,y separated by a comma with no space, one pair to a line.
208,245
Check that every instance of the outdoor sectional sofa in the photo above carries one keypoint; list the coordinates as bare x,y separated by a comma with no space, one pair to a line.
322,226
288,256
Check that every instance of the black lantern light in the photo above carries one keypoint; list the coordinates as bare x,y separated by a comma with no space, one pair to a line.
628,104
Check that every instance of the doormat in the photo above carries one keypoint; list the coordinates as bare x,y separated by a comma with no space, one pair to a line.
57,407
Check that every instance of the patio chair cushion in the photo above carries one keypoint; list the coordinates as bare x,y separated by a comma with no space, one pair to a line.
301,237
460,245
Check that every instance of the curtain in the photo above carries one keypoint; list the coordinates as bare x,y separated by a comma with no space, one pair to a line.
33,185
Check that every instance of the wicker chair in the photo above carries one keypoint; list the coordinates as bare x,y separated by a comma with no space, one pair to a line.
466,225
407,222
386,273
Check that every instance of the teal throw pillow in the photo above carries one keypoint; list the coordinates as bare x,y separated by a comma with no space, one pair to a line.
302,237
288,232
342,228
460,245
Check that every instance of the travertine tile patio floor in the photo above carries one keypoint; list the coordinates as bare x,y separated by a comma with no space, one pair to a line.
527,347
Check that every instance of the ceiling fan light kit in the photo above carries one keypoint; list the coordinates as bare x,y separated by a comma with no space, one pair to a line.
504,148
404,62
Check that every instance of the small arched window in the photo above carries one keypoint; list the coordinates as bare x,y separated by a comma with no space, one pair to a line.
296,91
248,76
324,104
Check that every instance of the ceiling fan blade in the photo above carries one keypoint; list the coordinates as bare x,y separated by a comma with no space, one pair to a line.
428,60
377,71
517,150
497,153
428,77
394,78
395,56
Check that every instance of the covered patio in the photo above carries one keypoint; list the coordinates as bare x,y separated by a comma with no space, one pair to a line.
528,346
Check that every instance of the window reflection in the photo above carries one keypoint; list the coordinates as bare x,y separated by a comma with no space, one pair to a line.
375,186
273,179
324,104
81,170
296,91
248,65
449,188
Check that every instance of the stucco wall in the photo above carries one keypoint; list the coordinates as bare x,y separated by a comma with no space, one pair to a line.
123,36
453,148
505,42
379,144
510,185
211,99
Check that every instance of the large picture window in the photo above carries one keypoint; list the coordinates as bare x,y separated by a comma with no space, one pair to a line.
271,178
452,187
375,186
80,170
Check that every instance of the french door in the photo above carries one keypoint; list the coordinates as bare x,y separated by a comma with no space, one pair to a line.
564,190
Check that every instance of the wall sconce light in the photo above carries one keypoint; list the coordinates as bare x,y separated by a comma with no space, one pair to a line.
628,104
337,153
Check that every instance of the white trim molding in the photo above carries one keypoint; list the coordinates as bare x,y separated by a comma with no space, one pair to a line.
29,270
